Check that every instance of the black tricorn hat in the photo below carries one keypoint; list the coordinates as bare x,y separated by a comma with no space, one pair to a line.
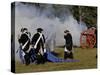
23,29
39,29
66,31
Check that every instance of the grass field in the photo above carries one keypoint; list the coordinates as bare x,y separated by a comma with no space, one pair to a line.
86,57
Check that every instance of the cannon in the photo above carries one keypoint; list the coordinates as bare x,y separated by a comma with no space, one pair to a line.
88,38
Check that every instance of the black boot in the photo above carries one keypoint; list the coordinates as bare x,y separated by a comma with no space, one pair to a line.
27,59
68,55
65,55
38,59
71,56
42,59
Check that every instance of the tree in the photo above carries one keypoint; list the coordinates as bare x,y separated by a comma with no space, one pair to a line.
88,14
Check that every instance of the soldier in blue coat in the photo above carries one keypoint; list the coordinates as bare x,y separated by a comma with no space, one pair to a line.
24,42
39,46
68,45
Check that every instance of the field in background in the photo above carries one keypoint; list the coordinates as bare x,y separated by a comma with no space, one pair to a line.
87,60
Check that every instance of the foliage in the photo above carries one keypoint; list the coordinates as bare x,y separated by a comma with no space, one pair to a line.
88,14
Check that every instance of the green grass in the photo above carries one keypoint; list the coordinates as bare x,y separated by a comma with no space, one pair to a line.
86,57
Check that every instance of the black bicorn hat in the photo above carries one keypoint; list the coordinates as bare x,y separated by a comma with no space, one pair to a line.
66,31
39,29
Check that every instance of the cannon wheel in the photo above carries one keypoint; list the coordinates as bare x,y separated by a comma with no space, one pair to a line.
91,40
83,41
87,41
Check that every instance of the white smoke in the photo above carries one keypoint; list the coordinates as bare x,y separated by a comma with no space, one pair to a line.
31,17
